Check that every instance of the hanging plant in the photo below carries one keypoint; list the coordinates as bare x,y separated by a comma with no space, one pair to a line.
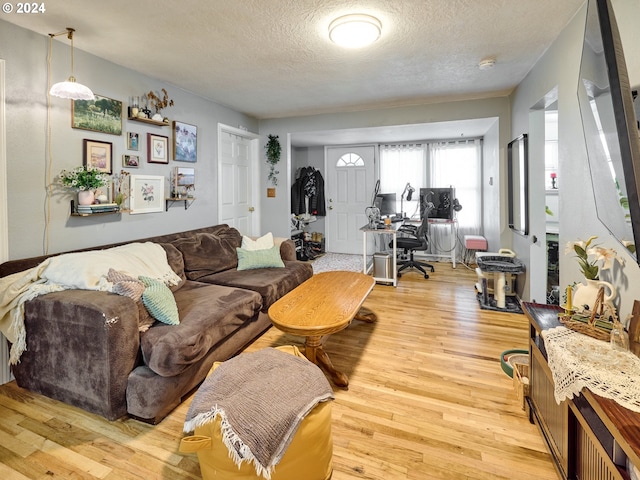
273,157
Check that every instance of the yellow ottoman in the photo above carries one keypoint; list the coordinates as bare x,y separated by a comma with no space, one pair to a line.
308,456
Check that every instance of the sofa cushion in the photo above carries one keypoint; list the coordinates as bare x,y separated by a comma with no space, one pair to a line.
176,262
132,288
270,283
264,258
159,301
206,253
265,241
209,314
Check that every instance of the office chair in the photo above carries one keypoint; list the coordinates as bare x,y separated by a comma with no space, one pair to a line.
417,241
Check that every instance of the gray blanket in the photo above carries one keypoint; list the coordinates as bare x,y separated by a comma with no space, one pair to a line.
261,398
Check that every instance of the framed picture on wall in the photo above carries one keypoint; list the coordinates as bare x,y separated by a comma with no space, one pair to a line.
133,141
130,161
98,155
102,115
157,148
185,142
146,194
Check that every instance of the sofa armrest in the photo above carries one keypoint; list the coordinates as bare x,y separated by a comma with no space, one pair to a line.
81,347
287,248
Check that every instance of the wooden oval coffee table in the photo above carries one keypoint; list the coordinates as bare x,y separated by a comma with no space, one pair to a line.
324,304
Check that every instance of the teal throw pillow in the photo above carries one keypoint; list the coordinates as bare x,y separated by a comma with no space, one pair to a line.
159,301
266,258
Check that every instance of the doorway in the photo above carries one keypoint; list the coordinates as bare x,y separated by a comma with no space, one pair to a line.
350,182
238,197
544,205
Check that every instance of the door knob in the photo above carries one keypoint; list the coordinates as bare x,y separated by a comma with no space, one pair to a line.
251,209
330,207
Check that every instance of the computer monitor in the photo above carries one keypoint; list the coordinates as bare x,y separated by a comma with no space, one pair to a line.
440,200
387,204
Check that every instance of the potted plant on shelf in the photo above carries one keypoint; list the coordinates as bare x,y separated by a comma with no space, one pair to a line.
273,157
159,103
84,180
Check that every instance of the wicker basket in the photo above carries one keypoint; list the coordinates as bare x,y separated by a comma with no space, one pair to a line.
593,331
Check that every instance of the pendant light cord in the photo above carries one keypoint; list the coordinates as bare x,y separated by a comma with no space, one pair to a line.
48,155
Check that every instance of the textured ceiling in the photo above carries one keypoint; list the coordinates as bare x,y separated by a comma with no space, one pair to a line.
273,58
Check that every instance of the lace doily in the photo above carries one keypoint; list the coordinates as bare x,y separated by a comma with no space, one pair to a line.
578,361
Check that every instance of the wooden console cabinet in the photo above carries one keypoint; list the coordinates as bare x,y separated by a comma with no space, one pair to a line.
589,437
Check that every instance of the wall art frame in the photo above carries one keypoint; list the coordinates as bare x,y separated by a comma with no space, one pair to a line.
98,154
146,194
157,148
130,161
185,142
102,115
133,141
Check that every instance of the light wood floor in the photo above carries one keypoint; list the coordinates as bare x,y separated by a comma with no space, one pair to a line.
427,400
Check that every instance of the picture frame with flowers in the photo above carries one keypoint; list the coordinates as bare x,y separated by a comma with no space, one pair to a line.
146,194
157,148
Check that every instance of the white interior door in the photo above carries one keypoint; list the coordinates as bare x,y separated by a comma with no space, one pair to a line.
349,187
237,185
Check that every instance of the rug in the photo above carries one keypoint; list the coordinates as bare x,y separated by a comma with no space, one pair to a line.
337,261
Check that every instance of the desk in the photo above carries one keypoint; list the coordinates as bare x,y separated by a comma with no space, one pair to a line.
390,230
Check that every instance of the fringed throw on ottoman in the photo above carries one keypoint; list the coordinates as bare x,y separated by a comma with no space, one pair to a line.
262,414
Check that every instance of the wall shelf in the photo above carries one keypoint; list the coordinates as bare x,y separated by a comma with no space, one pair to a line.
171,200
74,212
149,121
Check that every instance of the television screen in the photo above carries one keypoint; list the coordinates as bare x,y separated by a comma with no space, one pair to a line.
437,202
386,202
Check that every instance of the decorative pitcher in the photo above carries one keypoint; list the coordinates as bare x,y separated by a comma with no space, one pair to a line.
586,294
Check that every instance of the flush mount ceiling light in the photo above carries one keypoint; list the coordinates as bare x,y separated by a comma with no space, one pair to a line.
487,63
69,89
355,30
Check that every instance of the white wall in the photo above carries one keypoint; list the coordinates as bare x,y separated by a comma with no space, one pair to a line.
560,67
276,211
26,84
493,191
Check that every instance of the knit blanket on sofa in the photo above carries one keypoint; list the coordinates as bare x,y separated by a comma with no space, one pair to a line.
261,398
80,270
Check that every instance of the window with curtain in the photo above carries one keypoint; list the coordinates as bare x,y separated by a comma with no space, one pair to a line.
437,165
401,165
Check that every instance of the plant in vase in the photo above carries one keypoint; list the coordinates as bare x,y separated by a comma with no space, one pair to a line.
589,256
84,180
159,103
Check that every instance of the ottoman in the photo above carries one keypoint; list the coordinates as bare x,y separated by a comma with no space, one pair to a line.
308,455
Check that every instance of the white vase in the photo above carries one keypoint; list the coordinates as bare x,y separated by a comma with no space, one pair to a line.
86,197
586,294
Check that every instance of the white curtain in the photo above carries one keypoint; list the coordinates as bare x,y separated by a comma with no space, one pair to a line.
457,164
401,165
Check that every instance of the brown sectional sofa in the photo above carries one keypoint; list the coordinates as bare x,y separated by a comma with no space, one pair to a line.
84,347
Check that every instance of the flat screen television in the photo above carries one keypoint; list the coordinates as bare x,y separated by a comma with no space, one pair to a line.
437,202
610,126
387,203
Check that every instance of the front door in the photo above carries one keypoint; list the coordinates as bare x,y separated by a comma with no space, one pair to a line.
350,184
237,188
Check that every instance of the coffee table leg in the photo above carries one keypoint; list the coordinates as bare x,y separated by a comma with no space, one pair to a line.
366,315
315,353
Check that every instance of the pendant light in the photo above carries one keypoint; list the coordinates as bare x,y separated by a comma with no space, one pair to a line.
70,89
